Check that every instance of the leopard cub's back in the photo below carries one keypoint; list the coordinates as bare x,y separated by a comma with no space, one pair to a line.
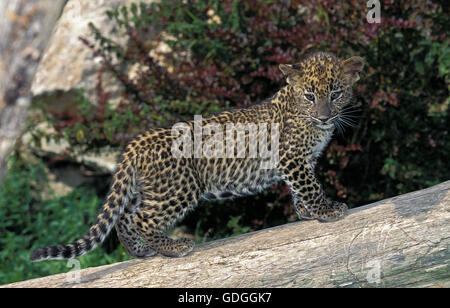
214,177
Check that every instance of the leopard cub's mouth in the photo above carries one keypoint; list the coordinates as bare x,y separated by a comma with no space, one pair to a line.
325,126
324,123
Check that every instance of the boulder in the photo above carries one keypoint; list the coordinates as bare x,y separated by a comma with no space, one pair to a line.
104,161
68,64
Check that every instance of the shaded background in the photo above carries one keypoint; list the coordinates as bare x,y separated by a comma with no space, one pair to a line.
225,54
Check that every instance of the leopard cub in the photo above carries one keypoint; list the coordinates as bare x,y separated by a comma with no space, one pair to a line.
163,173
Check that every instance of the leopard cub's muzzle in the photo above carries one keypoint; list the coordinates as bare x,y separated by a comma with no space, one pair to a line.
323,117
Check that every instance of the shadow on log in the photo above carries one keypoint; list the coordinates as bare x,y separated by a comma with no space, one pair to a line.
399,242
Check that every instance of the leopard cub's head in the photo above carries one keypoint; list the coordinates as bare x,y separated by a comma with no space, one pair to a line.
322,86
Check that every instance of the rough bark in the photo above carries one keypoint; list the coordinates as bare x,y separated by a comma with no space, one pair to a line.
26,27
399,242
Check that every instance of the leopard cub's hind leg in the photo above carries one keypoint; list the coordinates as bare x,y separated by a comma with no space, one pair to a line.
128,232
129,236
166,246
155,217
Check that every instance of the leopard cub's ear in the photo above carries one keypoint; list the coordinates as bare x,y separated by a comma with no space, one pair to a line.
291,72
352,67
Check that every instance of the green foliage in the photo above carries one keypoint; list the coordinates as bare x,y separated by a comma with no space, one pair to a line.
29,221
236,228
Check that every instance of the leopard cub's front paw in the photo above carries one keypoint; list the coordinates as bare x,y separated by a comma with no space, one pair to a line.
341,207
303,213
334,211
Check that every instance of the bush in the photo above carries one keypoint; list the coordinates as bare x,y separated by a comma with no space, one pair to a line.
226,54
29,221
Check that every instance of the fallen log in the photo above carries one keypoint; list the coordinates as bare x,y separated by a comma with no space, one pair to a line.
399,242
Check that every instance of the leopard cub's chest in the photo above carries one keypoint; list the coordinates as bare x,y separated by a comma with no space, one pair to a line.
320,142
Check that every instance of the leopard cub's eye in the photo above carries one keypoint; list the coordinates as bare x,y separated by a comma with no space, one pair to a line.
310,97
336,95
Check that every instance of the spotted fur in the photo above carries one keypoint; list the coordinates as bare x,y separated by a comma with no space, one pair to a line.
152,189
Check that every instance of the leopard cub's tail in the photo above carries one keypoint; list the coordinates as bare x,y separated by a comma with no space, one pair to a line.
120,194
